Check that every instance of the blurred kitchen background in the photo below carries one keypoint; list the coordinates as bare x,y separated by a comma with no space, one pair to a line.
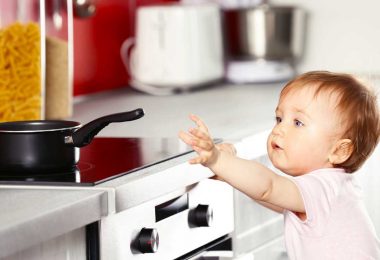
82,59
339,36
235,41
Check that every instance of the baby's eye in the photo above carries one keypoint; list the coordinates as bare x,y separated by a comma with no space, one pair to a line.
278,119
298,123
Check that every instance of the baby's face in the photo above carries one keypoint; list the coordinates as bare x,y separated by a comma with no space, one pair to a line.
306,129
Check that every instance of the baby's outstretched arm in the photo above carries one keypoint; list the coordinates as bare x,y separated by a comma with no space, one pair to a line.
250,177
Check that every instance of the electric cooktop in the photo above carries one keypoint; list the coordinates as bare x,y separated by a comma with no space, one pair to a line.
106,158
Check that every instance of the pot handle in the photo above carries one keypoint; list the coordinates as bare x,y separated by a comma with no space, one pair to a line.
84,135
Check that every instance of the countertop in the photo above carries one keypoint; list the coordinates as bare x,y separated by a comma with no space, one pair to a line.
33,215
231,112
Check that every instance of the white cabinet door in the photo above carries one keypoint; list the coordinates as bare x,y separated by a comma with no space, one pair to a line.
369,178
255,225
273,250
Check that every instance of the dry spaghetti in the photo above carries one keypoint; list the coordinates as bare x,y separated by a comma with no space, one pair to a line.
20,73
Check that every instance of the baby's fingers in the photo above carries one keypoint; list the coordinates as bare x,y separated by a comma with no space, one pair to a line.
200,134
192,141
202,126
202,144
185,137
198,160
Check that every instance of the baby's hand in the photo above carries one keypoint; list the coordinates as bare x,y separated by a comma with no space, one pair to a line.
226,147
199,139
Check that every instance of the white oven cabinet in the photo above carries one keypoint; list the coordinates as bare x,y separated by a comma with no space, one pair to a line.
369,178
258,230
46,222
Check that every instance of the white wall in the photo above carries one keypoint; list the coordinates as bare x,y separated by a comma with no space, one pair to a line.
341,36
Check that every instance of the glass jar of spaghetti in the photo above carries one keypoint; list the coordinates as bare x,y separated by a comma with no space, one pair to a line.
27,30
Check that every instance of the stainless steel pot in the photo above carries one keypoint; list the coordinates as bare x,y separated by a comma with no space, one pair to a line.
265,32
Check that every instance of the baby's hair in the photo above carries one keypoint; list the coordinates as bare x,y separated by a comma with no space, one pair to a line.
358,106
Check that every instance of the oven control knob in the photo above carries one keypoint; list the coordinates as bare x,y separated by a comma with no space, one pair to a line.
148,240
201,216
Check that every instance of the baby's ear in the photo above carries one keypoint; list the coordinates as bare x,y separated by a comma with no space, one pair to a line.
341,151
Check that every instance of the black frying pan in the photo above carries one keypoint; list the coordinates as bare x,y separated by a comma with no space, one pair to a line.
44,146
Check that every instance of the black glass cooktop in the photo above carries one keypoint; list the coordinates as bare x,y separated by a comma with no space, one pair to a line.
106,158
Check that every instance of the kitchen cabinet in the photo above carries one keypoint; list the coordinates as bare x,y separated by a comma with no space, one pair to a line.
256,227
36,218
273,250
70,245
369,179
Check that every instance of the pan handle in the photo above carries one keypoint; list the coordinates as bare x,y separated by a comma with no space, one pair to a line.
84,135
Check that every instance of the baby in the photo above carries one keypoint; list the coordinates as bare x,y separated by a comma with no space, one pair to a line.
327,125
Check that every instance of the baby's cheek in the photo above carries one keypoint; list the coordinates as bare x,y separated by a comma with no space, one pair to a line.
296,158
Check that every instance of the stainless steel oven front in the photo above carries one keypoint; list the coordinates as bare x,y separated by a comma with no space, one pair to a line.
177,225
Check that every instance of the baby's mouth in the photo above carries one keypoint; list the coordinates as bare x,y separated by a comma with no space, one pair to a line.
275,146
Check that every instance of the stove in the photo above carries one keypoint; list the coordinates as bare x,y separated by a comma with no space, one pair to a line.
106,158
162,207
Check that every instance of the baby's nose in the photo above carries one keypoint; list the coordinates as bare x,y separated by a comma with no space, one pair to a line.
278,129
